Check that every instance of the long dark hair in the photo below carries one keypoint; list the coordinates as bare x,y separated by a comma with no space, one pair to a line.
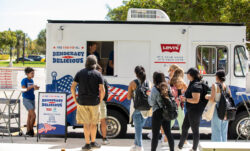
158,77
193,72
140,73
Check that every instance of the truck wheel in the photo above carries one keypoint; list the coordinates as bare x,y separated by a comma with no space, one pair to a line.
240,126
116,124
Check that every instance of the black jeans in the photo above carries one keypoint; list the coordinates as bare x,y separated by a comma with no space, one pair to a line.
157,122
192,118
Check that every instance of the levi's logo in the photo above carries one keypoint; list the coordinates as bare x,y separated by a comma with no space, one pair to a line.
171,48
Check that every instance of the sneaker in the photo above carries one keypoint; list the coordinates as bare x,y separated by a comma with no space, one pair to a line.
133,148
164,144
149,135
29,133
137,148
87,147
95,145
177,148
32,133
187,145
105,141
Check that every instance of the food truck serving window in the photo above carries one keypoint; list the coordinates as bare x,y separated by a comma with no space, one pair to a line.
210,59
240,61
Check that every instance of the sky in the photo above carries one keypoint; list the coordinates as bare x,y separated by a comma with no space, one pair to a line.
31,15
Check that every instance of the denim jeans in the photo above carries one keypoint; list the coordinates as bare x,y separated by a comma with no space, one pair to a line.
219,128
139,122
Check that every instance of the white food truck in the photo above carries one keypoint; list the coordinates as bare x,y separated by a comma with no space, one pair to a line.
153,44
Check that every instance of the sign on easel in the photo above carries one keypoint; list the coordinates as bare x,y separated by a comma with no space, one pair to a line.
52,114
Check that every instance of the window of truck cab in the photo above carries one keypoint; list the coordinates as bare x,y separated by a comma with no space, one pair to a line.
240,61
211,58
104,50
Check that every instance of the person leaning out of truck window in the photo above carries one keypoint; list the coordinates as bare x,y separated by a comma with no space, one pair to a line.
110,65
194,109
92,51
29,99
139,117
219,127
157,118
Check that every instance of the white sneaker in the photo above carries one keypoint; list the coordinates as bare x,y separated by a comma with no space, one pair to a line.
187,145
139,148
133,148
164,144
176,148
149,135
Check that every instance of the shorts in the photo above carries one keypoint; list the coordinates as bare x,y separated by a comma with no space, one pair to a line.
29,104
103,110
87,114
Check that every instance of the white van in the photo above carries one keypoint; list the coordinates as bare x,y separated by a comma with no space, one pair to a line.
152,44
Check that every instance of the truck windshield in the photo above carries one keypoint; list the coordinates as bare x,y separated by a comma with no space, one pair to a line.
240,61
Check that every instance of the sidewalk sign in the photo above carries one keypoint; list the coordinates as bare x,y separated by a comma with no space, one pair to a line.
52,114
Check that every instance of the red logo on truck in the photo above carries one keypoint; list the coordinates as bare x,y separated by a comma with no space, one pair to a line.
171,48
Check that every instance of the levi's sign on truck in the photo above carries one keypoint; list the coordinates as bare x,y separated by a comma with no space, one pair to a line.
170,48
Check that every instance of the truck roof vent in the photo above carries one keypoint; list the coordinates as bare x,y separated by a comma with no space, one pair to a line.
139,14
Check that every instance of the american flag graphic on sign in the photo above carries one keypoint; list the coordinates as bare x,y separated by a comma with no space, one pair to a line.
45,128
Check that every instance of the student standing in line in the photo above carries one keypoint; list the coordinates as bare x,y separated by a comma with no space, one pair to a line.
139,117
103,110
29,99
194,109
219,127
157,118
91,93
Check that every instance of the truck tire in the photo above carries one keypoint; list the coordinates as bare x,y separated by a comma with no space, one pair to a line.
240,126
116,125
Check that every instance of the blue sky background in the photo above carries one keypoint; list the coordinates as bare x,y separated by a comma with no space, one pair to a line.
31,15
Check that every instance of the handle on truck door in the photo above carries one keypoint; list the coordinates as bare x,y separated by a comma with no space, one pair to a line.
115,75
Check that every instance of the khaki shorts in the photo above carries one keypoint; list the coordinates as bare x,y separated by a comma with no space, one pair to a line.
103,110
87,114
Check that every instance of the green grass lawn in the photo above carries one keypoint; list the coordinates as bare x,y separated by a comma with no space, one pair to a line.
26,64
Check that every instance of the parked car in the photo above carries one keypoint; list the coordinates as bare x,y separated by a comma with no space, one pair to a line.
35,57
25,59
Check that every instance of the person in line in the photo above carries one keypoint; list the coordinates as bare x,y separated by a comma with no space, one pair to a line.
157,119
219,127
138,116
92,51
110,65
29,98
194,108
103,110
91,93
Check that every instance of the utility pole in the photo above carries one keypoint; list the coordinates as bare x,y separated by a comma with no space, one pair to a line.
24,45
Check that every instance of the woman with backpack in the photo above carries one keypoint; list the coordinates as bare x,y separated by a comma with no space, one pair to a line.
159,90
194,108
219,127
138,90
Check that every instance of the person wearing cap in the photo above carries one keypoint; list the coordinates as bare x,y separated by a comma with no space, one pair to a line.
194,109
91,92
219,127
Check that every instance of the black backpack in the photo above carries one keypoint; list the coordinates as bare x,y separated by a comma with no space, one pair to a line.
226,108
205,89
141,97
169,107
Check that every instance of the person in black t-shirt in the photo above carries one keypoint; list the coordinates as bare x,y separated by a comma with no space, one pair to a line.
90,93
194,108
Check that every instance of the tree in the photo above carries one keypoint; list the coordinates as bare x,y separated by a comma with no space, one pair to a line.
191,10
19,44
8,38
41,41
